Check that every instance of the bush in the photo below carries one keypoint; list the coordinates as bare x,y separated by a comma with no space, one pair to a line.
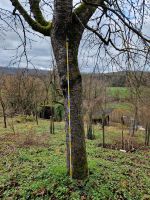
59,112
24,118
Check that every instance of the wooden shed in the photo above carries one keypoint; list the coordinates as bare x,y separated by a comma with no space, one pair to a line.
97,117
46,112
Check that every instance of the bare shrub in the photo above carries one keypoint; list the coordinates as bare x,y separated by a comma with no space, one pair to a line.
33,139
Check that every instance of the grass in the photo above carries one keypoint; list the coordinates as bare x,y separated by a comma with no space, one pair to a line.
124,106
119,92
33,166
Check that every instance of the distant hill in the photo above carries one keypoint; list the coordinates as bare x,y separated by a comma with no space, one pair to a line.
114,79
13,70
120,78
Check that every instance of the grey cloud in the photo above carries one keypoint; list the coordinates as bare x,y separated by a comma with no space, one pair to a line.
40,49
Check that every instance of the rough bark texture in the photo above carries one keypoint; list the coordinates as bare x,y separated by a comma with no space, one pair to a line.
79,161
62,27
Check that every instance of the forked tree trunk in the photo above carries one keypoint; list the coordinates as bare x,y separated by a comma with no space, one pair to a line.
63,27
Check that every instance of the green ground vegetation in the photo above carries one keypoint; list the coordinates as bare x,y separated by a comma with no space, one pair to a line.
124,106
33,165
120,92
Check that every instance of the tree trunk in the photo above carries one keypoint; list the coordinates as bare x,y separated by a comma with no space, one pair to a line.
5,123
90,128
4,112
36,118
78,149
63,27
79,160
122,137
52,125
147,135
103,129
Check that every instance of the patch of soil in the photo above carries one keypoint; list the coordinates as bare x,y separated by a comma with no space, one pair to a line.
128,147
10,142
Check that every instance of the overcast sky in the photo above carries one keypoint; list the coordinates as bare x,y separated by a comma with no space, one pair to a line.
40,51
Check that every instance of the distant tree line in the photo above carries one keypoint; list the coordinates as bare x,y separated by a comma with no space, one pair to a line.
120,78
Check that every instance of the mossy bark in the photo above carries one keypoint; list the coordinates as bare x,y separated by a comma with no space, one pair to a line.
63,26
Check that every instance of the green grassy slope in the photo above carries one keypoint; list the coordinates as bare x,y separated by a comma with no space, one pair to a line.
121,92
32,166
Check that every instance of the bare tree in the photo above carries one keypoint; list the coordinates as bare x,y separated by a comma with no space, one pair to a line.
71,22
24,93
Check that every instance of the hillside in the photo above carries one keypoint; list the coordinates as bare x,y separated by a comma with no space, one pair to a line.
115,79
33,166
13,70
